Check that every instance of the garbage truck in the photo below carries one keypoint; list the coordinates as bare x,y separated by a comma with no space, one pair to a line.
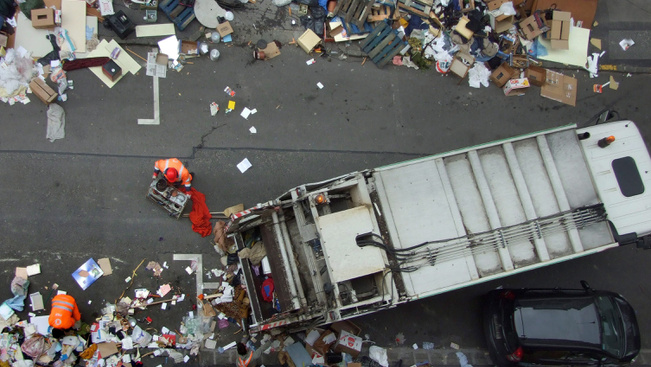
374,239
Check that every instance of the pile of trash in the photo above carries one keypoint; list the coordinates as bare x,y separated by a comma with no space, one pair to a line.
120,335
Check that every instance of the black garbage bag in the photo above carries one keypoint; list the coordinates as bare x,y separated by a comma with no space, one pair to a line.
309,3
319,15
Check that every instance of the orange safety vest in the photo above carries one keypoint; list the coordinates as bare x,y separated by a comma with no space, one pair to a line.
64,312
184,176
244,363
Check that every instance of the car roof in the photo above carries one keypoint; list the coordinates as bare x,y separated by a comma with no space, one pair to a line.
568,319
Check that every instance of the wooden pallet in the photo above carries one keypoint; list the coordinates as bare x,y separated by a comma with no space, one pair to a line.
382,44
179,14
381,13
415,8
354,11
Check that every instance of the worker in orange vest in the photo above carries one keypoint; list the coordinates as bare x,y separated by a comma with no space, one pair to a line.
65,312
174,171
244,358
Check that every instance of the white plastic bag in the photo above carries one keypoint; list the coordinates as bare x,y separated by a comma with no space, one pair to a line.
379,355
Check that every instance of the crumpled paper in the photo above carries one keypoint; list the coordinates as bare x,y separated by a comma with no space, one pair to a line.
479,75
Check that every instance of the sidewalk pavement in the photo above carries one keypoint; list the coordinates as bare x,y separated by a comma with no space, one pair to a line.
614,21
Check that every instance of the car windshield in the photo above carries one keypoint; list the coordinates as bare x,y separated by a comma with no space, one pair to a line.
613,338
562,319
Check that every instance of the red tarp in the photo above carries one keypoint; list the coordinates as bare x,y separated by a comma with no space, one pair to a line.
200,215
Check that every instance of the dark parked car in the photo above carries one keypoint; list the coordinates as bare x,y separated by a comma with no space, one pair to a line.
560,326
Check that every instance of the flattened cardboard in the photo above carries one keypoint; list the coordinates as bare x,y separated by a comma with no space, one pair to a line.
271,50
107,349
559,87
73,19
105,264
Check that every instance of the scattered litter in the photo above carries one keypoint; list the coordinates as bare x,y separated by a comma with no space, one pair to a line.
214,108
229,91
36,300
127,279
163,290
415,346
56,122
319,85
244,165
596,42
593,63
33,269
614,85
479,75
189,270
463,360
626,43
428,345
599,88
245,113
253,130
379,355
155,267
400,339
310,61
87,274
105,265
454,345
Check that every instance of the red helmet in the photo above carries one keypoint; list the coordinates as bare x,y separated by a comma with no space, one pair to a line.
171,174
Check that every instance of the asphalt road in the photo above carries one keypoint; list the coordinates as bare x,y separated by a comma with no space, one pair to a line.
84,196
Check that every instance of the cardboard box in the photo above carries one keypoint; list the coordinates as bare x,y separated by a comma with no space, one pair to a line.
42,91
325,341
224,29
53,3
43,18
462,30
516,87
308,41
536,75
347,325
559,87
112,70
348,343
500,22
559,34
189,48
495,4
530,28
502,74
